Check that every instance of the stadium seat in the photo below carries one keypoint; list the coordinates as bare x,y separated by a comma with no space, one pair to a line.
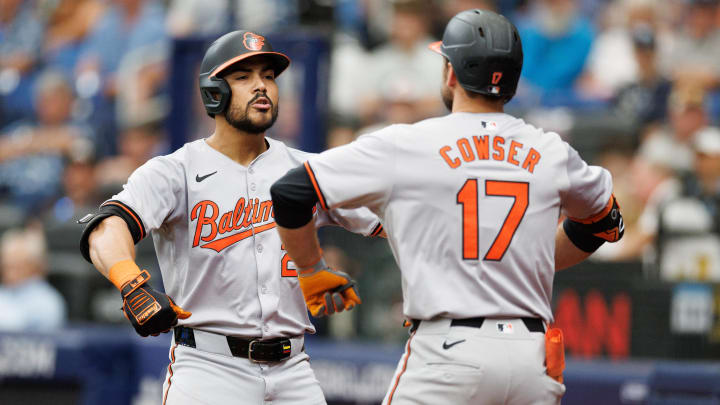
71,275
63,236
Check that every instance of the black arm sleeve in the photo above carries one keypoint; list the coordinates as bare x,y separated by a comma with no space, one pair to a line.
110,208
580,237
293,197
589,236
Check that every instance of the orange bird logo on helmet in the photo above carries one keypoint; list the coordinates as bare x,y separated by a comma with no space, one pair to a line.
253,42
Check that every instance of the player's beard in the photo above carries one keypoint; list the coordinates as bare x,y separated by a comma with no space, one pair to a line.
447,96
240,118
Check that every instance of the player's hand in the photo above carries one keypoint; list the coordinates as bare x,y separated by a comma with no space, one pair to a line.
149,311
328,291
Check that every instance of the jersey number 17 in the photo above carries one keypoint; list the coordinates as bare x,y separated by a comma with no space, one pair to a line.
468,198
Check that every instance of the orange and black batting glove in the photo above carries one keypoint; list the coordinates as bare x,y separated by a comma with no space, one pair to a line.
149,311
327,291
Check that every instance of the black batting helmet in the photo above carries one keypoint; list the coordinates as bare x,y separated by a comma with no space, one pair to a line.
485,51
225,52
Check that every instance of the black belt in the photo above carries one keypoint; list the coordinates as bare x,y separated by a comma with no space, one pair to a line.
253,349
532,324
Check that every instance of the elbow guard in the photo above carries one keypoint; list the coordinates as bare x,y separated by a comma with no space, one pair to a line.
108,209
589,234
294,198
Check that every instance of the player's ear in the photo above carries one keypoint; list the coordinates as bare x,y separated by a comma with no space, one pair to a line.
450,78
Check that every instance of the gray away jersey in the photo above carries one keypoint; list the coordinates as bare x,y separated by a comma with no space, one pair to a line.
470,203
213,227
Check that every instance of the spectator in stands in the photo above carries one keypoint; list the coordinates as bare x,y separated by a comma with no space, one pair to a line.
125,26
613,60
404,58
651,168
27,301
21,36
67,27
556,42
32,152
80,193
269,15
686,110
448,9
137,144
348,61
402,103
681,222
695,53
616,156
198,18
636,180
652,172
141,96
362,84
645,100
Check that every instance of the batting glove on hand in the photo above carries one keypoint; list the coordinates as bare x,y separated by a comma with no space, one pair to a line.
149,311
327,291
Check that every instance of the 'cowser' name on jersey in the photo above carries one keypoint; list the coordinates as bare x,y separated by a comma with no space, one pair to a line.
239,219
478,148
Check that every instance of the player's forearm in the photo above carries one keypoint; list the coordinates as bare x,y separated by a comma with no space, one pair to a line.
301,244
566,253
293,199
110,243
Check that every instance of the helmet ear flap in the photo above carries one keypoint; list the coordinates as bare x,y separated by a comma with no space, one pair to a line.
215,93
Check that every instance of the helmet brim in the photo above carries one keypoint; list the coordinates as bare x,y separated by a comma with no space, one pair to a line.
436,47
280,62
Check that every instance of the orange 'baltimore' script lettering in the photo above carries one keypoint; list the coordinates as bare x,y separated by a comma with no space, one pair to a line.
244,215
478,148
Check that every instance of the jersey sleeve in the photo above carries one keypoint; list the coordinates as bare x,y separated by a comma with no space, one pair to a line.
588,188
357,174
358,220
151,193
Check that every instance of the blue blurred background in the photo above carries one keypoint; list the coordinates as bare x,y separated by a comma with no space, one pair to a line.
91,89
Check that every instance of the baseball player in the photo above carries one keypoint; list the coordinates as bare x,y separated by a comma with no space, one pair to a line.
470,202
232,292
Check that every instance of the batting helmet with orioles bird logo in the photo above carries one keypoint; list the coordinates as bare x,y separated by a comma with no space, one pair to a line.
226,51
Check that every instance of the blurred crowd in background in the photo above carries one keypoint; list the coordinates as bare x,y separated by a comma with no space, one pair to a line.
632,84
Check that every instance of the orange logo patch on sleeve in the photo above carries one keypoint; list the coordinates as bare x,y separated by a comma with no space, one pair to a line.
253,42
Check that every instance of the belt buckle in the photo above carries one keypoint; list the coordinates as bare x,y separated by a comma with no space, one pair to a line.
250,351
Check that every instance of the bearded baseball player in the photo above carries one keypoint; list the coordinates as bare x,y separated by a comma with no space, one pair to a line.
470,202
231,291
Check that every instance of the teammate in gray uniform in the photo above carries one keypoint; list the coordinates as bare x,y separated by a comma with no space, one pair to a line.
470,202
239,313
